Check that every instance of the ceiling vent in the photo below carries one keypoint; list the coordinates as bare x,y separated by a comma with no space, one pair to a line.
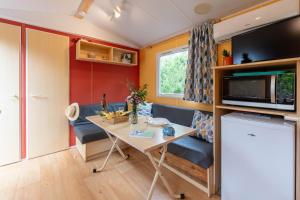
202,8
255,18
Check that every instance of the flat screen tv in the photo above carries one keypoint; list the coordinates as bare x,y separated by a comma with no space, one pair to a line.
275,41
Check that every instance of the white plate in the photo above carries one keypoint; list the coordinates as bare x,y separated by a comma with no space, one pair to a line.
158,121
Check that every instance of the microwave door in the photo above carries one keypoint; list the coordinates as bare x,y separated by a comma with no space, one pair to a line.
285,89
259,89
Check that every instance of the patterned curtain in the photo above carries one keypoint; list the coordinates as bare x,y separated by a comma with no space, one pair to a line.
202,56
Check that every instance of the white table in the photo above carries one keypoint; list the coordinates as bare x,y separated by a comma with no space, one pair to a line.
145,145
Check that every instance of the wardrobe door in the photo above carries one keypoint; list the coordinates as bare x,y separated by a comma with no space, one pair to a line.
10,43
47,92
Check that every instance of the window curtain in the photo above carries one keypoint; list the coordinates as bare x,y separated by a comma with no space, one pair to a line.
201,57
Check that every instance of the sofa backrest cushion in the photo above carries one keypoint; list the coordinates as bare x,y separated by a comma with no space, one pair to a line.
85,111
145,109
93,109
112,107
182,116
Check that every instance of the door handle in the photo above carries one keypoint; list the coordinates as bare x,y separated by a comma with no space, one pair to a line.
15,97
252,135
38,96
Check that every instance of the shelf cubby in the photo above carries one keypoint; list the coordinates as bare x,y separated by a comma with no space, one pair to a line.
118,56
94,52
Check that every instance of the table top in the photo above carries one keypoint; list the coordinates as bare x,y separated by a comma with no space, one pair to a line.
122,130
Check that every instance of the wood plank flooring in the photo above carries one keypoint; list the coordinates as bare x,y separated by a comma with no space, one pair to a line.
64,175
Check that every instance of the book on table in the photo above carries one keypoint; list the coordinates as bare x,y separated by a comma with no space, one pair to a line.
141,134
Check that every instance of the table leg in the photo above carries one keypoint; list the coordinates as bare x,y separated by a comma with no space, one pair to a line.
158,173
115,145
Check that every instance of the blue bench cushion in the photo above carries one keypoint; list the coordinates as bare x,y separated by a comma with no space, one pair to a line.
194,150
89,132
175,115
85,111
85,130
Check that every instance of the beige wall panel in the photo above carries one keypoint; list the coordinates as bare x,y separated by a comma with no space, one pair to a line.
10,44
47,92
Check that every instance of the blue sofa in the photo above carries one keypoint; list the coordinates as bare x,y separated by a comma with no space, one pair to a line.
86,131
190,148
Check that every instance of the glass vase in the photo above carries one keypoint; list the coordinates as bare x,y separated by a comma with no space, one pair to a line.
133,117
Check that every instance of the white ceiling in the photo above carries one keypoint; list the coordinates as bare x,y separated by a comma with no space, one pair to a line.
142,22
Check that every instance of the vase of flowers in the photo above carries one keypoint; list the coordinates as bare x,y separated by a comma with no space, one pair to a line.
227,58
137,96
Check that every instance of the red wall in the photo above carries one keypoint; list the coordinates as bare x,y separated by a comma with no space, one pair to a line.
87,80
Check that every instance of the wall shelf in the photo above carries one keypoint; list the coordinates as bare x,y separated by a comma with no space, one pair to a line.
258,110
94,52
271,63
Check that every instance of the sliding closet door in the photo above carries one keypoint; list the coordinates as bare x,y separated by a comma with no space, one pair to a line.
47,92
10,42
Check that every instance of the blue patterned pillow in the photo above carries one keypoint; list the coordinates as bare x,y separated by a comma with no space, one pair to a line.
145,109
203,123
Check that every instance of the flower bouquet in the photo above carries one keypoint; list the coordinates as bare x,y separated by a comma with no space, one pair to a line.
136,97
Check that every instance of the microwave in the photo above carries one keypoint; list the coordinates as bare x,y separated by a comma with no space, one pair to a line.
264,89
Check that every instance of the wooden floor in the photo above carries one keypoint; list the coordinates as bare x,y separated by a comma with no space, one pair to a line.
65,175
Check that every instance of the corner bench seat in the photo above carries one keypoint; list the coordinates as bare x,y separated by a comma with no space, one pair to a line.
194,150
89,133
190,148
188,156
91,140
85,130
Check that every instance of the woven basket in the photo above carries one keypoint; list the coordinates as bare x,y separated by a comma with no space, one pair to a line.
119,119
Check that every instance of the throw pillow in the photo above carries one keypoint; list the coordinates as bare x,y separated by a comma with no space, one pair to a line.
145,109
203,123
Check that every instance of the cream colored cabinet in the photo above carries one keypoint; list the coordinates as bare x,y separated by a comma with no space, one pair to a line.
47,92
10,44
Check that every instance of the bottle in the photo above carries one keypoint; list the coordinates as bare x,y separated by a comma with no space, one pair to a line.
126,106
103,103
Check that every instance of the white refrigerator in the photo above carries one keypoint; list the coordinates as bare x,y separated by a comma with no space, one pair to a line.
257,158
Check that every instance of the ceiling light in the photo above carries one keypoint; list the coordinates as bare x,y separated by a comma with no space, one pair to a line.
82,13
118,9
202,8
257,18
117,13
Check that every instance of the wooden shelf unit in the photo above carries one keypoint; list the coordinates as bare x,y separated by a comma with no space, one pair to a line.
272,63
94,52
258,110
219,109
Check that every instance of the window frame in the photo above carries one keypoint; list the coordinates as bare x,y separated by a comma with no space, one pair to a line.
158,56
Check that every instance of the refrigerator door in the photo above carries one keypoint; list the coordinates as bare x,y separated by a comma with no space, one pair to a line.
257,162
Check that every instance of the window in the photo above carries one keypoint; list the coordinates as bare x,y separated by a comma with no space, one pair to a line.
172,72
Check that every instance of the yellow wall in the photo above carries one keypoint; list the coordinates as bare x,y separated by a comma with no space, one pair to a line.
224,45
148,72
